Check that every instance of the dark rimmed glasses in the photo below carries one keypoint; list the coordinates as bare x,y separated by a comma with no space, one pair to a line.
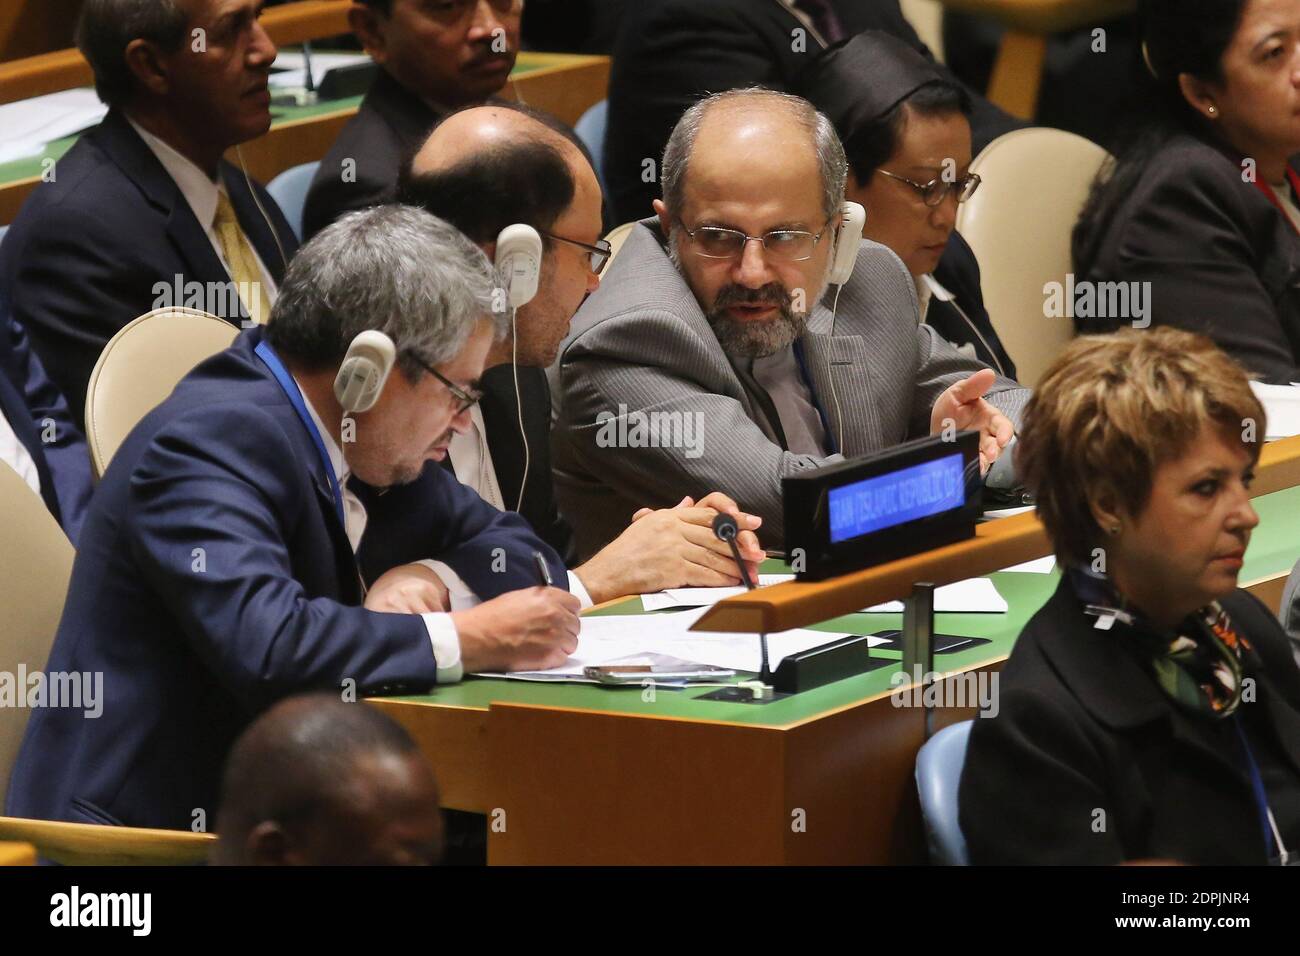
936,191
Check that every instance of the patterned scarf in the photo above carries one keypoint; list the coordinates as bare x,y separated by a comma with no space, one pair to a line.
1199,666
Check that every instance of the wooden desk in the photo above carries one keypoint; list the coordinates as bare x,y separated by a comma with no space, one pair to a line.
592,775
17,854
1018,70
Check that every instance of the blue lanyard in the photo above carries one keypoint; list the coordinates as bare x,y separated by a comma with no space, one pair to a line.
294,394
812,393
1257,786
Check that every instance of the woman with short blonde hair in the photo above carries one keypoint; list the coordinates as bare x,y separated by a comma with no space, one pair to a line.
1151,709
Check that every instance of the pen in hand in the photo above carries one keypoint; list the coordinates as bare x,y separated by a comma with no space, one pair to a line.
543,571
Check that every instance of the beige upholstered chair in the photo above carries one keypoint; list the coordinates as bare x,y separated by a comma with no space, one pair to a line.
35,565
1035,182
616,237
139,368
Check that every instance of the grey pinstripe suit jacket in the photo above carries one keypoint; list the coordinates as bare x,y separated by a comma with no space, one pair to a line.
641,341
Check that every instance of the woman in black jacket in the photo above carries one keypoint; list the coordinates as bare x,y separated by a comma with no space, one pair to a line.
1201,203
906,130
1151,709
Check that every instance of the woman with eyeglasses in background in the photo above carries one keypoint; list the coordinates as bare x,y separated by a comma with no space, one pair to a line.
1201,202
906,132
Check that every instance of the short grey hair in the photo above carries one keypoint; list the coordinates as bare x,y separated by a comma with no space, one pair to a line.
106,27
394,268
830,152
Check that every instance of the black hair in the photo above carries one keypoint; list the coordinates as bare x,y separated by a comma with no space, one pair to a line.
105,27
527,181
870,145
383,6
1178,36
296,759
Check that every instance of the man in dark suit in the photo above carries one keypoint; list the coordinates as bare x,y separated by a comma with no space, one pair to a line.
143,212
433,58
37,437
217,570
482,170
670,53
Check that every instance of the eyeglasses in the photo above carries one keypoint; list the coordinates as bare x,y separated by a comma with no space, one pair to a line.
600,252
787,245
936,191
466,399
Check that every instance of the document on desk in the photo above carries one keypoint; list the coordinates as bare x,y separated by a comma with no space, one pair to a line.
1282,406
627,637
976,596
29,125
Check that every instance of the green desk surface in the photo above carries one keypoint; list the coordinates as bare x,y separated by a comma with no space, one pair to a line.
1273,550
32,166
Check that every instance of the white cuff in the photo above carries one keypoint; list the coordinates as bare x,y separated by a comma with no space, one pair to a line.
462,598
446,646
579,590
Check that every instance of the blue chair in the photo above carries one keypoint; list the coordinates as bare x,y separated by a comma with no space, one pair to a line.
591,130
938,772
289,190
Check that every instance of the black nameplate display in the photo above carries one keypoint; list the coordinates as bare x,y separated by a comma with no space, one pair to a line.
864,512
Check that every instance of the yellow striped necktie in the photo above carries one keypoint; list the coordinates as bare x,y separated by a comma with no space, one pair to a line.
241,261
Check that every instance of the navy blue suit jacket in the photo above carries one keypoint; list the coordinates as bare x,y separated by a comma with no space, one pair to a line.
35,410
214,578
88,251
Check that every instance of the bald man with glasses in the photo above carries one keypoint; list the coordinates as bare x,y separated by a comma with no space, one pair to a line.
718,322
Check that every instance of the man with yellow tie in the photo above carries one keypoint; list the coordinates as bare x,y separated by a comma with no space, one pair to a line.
144,212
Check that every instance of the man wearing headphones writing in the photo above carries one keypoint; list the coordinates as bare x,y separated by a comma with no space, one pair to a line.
514,181
217,570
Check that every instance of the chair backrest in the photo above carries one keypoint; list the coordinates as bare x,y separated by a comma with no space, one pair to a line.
289,190
616,237
591,130
140,366
938,773
35,566
93,844
1035,183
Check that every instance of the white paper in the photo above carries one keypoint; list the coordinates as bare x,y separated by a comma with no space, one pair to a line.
976,596
1037,566
701,597
1282,405
292,70
28,126
606,638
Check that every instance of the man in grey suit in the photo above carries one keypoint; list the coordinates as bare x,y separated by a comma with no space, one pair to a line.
711,357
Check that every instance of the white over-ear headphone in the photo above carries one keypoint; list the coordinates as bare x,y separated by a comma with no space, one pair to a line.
364,371
519,262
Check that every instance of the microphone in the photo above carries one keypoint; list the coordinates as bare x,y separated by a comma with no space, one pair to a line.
726,529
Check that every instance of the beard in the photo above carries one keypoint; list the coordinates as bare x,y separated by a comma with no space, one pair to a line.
754,338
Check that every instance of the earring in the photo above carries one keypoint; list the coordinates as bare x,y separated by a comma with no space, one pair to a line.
1114,530
1213,110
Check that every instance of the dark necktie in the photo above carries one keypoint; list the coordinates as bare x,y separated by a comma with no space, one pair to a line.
824,18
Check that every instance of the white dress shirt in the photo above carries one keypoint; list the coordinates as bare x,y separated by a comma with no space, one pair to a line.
201,194
15,454
471,460
442,629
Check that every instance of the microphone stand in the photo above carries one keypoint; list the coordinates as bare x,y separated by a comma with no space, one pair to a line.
724,526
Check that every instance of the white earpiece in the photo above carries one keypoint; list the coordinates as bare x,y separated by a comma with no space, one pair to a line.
519,262
364,371
847,242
